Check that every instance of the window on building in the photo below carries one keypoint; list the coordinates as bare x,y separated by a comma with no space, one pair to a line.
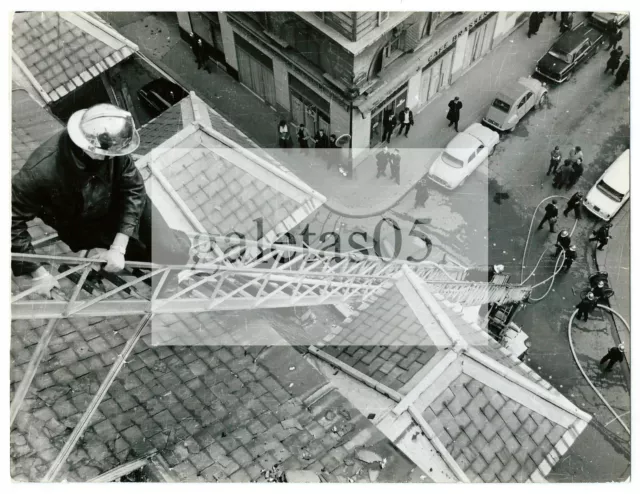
382,16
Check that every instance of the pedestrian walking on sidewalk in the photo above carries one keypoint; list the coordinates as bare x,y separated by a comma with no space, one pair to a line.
563,242
554,15
202,57
615,354
586,306
550,215
601,235
566,22
395,166
576,172
574,204
406,121
623,71
388,124
570,255
455,105
382,160
284,136
614,60
303,138
535,20
614,38
556,158
422,194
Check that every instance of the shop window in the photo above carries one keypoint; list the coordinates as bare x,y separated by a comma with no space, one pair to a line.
382,16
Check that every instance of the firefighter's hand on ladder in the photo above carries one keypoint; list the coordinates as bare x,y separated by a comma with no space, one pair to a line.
114,258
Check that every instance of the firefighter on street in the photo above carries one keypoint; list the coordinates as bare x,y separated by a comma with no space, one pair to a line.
586,306
563,242
83,183
614,355
601,235
550,215
570,255
574,204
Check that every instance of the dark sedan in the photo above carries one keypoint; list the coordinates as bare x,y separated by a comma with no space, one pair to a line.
570,51
160,95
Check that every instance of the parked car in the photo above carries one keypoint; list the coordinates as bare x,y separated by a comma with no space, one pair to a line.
463,155
160,95
514,102
612,189
601,19
569,52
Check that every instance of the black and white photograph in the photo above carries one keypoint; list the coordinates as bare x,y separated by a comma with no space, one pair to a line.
273,245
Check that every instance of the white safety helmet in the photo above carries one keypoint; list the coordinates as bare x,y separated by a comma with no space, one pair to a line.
105,130
498,268
621,347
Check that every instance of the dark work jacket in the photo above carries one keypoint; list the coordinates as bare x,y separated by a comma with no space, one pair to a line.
322,141
72,201
615,354
587,305
401,118
551,210
575,199
454,110
564,242
570,255
389,123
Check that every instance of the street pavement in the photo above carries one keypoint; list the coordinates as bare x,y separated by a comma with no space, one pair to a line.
496,203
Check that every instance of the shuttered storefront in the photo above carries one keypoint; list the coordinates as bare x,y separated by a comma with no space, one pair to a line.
479,41
255,70
436,76
309,108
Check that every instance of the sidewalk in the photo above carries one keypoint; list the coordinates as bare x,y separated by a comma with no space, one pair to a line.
615,260
158,37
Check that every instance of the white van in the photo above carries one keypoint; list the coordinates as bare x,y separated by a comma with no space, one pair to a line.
612,189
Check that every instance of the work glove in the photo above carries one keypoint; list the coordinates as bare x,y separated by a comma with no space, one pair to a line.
114,258
45,282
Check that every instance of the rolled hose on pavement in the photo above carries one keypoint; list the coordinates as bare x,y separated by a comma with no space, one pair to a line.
575,357
559,261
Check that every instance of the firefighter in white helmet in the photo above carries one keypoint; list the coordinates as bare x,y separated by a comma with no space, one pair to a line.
83,183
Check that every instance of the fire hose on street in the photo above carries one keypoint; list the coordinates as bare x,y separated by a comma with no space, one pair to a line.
556,270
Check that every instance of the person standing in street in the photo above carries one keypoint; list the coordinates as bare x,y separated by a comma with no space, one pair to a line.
406,121
563,242
382,160
574,204
550,215
615,354
395,166
556,158
535,20
601,235
570,255
455,105
202,57
576,154
614,60
422,194
576,172
623,71
388,124
586,306
332,154
566,22
615,36
562,176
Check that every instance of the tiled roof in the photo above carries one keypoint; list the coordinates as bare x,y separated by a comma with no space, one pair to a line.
31,125
213,413
219,185
60,51
492,416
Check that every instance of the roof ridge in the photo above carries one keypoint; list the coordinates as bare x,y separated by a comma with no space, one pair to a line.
525,383
100,24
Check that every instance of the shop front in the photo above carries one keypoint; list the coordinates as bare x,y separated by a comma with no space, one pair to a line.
308,108
206,25
436,76
480,40
255,70
394,104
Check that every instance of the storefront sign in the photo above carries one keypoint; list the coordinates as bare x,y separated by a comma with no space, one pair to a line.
453,39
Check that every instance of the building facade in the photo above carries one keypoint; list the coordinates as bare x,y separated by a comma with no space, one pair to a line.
341,71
